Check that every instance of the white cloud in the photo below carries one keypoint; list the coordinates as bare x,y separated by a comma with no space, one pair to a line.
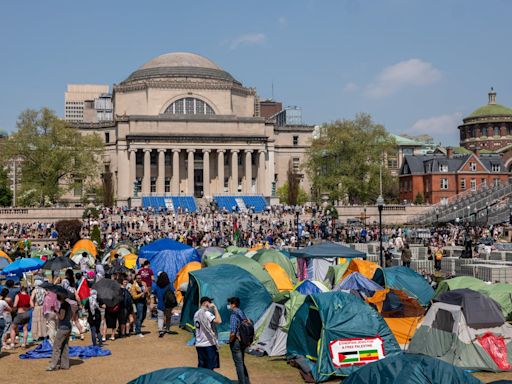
247,39
351,87
443,127
408,73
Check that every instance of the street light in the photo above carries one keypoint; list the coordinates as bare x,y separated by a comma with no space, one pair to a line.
380,206
297,214
476,213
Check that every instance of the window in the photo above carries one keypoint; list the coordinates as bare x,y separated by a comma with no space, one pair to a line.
77,190
153,184
107,137
407,151
296,164
167,185
496,131
189,106
483,182
484,131
473,184
295,140
496,182
496,168
463,184
443,167
444,183
392,163
472,167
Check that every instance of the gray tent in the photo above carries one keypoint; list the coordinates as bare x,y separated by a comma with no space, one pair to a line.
270,337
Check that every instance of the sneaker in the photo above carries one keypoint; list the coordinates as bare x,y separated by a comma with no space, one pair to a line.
51,369
172,332
161,334
103,339
140,335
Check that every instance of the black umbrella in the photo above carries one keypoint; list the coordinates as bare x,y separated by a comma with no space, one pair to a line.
109,292
57,289
58,263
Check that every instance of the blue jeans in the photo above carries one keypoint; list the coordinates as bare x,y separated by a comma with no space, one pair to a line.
2,330
141,315
237,352
95,336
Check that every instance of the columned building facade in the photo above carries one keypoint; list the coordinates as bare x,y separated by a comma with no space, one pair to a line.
184,126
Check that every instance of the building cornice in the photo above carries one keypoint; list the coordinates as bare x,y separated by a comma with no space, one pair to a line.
192,118
169,138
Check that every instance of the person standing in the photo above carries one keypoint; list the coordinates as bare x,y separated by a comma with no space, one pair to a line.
205,319
5,315
235,344
147,275
166,301
38,325
22,305
60,355
94,317
406,256
139,291
50,310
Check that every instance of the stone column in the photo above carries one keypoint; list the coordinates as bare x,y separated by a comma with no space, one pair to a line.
133,169
261,171
175,188
248,171
146,179
206,173
190,172
160,181
270,171
220,170
234,171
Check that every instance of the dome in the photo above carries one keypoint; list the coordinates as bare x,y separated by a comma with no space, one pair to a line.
491,110
180,64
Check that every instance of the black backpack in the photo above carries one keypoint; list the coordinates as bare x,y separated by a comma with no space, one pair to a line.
246,332
170,299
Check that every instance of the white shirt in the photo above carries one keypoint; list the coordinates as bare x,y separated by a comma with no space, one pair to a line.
3,307
204,337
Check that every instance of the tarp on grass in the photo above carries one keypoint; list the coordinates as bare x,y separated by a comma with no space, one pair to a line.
44,351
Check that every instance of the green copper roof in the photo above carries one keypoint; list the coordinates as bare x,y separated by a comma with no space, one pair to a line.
491,110
404,141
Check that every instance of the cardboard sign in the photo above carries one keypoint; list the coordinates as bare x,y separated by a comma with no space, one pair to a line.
359,351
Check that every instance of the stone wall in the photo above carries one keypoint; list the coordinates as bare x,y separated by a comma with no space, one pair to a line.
31,215
391,214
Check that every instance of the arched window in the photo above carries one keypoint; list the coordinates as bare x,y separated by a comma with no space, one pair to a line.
496,131
189,106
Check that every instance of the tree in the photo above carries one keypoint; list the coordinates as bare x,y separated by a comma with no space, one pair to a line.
5,190
69,231
282,193
347,157
419,199
53,156
293,184
96,235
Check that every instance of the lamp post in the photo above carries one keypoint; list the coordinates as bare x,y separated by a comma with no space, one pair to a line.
486,215
476,213
437,217
297,214
380,206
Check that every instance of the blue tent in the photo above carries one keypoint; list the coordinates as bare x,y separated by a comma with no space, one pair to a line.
169,256
307,287
411,369
358,283
412,283
20,266
182,375
328,249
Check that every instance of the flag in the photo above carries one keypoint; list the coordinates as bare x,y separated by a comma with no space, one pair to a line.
83,291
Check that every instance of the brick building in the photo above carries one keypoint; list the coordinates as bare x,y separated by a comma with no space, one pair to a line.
438,177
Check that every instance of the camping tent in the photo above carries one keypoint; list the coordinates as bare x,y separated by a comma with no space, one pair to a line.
169,256
182,375
264,256
335,273
220,283
270,337
502,294
460,282
359,283
467,329
5,260
250,266
280,277
334,333
307,287
182,277
412,283
411,369
366,268
84,245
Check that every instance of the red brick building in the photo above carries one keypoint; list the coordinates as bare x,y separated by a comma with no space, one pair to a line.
437,177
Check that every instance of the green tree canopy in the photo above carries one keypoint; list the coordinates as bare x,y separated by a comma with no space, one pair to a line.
53,156
5,189
346,158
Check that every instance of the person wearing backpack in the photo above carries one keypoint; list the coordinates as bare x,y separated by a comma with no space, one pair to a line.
207,344
166,301
240,337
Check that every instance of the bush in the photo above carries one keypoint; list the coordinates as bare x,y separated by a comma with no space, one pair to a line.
419,199
282,193
90,212
69,231
96,235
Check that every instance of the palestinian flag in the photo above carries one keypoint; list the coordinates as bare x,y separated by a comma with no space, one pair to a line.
83,291
369,355
348,357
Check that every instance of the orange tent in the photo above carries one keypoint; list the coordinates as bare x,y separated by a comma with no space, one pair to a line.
86,245
182,277
5,256
280,277
364,267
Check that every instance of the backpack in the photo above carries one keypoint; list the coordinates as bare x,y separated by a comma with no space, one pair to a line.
170,299
246,332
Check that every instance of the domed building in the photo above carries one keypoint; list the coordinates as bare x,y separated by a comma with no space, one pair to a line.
489,129
183,126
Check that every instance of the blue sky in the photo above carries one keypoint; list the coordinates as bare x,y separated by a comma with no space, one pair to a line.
415,66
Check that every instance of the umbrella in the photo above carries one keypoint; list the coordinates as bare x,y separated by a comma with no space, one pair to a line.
4,262
109,292
20,266
58,263
56,289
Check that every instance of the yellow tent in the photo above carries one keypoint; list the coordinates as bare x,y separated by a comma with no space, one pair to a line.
5,256
402,320
364,267
280,277
122,252
130,260
86,245
182,277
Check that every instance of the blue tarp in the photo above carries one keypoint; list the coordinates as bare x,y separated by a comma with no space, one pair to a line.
169,256
358,283
44,351
307,287
328,249
412,283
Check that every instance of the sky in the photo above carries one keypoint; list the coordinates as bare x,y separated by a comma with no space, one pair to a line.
416,66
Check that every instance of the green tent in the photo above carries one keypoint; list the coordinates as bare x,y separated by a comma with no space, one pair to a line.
335,274
182,375
250,266
40,252
292,305
460,282
502,294
236,250
264,256
335,333
220,283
